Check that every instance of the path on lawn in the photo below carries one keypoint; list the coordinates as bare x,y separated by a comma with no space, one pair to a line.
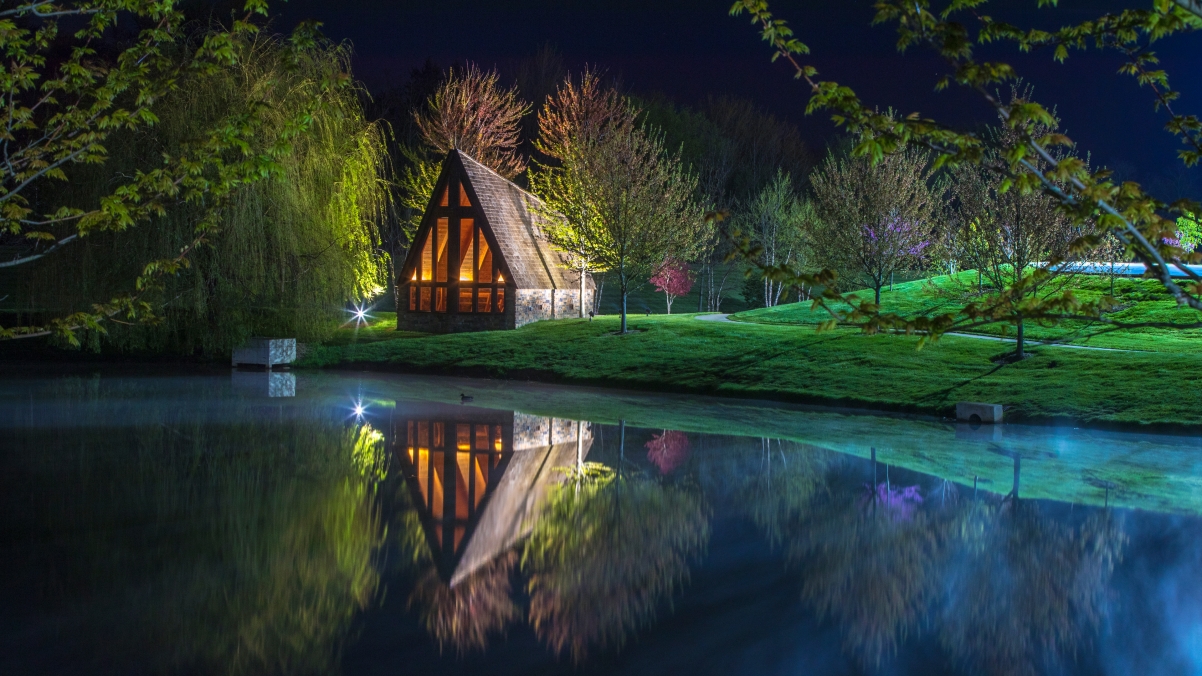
726,318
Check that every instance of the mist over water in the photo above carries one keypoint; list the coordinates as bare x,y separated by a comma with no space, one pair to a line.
204,522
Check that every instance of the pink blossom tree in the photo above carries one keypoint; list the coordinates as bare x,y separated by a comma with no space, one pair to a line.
673,278
668,451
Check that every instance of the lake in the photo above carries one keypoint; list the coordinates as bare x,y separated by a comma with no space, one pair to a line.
197,521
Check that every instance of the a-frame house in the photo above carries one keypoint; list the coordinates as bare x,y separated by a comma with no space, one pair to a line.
479,261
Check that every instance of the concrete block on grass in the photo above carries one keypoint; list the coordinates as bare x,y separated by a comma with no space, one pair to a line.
978,413
266,352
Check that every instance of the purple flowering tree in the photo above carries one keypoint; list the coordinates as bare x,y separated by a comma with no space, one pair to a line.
875,218
888,246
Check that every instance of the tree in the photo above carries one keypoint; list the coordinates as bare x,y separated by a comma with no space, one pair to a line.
286,253
604,555
69,102
1010,233
472,113
673,279
778,221
875,217
615,199
1091,199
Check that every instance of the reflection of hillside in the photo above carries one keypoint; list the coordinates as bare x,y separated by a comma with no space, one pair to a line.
477,478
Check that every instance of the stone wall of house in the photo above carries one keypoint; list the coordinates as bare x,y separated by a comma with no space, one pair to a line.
567,303
531,431
532,305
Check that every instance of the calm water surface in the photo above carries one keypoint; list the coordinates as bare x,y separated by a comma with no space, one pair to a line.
214,523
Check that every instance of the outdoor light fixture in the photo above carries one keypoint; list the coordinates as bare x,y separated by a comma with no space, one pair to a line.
358,409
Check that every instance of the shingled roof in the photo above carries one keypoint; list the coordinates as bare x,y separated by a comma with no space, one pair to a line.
512,217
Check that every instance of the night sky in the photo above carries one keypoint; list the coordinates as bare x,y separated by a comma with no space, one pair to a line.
689,49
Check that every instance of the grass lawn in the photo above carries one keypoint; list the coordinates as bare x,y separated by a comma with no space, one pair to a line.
379,326
789,363
1141,300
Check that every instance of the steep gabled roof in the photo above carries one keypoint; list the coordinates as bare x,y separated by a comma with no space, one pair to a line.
516,224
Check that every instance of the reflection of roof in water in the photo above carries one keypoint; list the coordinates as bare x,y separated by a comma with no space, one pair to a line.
479,476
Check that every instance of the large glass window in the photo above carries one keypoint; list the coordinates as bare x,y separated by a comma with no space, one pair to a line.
456,244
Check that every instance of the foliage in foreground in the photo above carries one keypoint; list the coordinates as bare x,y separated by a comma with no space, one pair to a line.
1030,163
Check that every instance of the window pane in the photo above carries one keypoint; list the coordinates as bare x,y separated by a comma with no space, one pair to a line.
428,257
463,437
439,435
481,437
440,299
423,434
463,200
485,272
440,270
425,299
485,295
467,249
496,436
443,201
500,300
465,300
412,298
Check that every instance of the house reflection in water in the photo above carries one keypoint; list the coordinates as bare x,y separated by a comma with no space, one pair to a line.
479,476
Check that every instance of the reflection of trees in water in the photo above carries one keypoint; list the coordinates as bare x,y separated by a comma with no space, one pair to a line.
242,546
605,553
870,571
1026,591
466,615
1014,587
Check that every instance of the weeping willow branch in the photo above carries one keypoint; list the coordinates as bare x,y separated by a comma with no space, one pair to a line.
279,255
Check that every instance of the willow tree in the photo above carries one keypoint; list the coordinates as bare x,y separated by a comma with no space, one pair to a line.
288,252
74,90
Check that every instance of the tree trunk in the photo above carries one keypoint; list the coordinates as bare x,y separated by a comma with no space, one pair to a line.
877,293
668,302
1018,349
623,309
581,301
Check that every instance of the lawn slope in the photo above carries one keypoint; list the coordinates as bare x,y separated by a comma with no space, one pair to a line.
1140,300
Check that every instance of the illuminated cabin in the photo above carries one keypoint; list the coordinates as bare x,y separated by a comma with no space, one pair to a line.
479,476
479,261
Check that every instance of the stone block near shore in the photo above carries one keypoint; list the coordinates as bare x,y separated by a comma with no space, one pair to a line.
978,413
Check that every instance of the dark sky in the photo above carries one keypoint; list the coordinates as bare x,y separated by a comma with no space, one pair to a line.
688,49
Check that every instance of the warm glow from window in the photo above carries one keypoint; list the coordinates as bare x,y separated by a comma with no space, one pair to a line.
440,270
425,299
440,299
463,437
500,300
500,278
463,200
444,200
465,300
467,249
428,257
484,274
